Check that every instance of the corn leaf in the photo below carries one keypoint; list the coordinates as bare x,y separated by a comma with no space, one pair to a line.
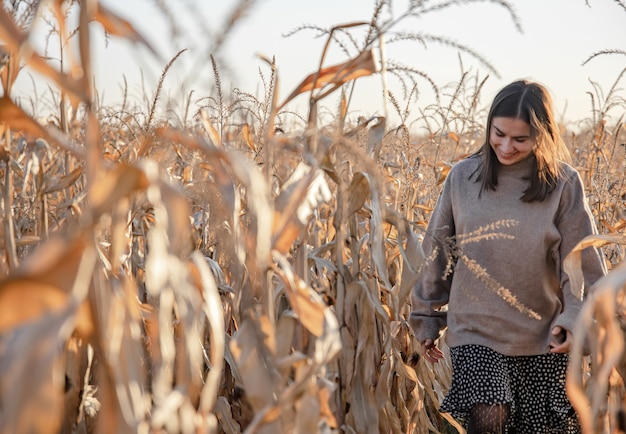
337,75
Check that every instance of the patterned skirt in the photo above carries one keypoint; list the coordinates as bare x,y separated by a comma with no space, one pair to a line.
533,386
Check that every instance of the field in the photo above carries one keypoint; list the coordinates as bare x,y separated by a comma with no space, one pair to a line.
237,268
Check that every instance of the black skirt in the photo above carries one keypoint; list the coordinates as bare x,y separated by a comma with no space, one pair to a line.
533,386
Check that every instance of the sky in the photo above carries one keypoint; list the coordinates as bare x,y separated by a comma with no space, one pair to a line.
557,37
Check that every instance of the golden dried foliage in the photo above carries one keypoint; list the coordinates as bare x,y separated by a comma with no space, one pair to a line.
234,274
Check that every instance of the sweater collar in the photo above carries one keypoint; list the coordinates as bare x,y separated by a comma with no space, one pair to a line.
522,168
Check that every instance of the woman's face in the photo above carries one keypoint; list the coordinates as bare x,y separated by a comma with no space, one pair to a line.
510,140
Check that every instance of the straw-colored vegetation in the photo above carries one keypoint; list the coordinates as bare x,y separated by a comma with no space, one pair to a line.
237,267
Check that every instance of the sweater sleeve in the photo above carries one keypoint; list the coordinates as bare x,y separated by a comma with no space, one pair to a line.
575,222
431,292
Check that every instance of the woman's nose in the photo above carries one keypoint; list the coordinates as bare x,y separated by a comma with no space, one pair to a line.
506,145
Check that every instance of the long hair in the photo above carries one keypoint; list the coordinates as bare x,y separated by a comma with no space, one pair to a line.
530,102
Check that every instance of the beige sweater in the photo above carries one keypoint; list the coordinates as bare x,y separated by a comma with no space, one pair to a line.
506,288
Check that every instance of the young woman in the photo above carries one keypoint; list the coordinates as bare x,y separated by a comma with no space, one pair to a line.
505,220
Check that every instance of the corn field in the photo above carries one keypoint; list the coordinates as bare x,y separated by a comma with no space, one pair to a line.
239,268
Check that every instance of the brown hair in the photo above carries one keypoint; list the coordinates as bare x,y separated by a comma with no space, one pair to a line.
530,102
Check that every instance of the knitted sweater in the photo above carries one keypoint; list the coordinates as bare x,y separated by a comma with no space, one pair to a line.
494,270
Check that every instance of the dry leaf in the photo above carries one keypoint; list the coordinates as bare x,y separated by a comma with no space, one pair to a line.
337,75
65,182
254,364
118,26
305,189
307,410
375,137
225,416
24,300
363,415
309,307
112,185
10,34
44,286
9,69
572,262
14,117
32,375
413,258
246,133
214,135
598,320
17,41
358,192
442,171
213,309
76,365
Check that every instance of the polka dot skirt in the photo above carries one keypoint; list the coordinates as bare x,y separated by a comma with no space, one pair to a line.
534,386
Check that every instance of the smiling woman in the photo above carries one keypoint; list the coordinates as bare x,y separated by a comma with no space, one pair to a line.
506,219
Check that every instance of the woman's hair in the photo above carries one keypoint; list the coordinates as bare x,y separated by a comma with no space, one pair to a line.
530,102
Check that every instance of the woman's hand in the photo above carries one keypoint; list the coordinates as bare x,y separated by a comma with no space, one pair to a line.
431,352
562,340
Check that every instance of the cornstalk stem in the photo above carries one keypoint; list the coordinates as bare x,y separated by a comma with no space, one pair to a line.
9,229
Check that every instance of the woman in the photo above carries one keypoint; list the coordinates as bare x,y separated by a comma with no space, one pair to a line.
505,220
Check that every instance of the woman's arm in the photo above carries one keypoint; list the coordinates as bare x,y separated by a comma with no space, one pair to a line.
431,291
575,221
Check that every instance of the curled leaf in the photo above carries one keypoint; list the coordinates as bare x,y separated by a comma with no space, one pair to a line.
358,192
118,26
16,118
573,261
337,75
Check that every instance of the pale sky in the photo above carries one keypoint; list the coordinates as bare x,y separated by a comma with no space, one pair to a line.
558,36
